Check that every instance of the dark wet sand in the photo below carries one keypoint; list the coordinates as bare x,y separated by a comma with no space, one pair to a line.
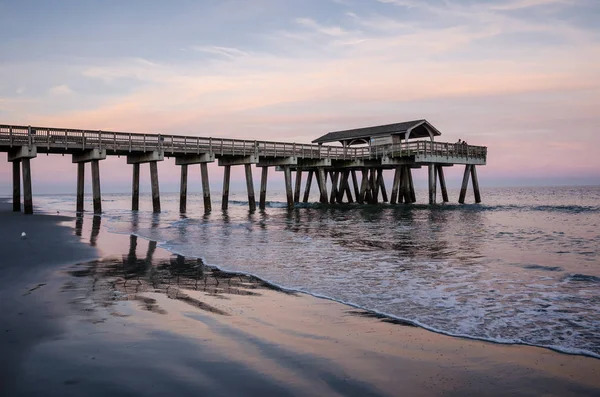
87,312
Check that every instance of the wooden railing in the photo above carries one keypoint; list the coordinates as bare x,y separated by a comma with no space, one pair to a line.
177,145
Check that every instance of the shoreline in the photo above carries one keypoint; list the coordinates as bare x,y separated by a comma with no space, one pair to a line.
344,350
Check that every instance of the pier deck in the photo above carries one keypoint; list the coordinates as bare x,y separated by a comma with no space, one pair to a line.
24,143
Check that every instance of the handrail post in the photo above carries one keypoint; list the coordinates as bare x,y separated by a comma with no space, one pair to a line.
29,136
100,140
10,132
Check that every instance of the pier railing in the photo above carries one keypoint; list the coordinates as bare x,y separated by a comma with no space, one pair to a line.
177,145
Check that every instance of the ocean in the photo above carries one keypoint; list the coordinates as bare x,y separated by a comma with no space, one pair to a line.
522,267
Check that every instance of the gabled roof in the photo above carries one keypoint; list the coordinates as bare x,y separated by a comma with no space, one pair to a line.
418,129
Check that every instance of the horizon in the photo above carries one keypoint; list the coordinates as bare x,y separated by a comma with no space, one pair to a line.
517,76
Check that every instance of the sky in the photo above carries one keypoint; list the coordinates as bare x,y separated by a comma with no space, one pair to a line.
521,77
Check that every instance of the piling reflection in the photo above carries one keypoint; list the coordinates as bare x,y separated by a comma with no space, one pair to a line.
133,277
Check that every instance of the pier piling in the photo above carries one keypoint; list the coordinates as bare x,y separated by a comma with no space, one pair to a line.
16,166
309,179
97,197
80,186
183,189
135,188
298,186
322,185
263,188
288,186
205,187
226,180
250,187
440,172
155,187
475,185
27,195
465,184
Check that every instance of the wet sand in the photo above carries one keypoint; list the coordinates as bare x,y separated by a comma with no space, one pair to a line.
87,312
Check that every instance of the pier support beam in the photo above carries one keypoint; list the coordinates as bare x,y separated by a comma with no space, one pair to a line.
432,183
298,185
411,186
27,195
80,185
183,189
226,180
263,188
97,197
374,186
475,184
287,173
309,179
381,183
16,166
356,186
395,186
155,187
322,185
334,186
406,186
205,187
250,187
465,184
440,172
135,188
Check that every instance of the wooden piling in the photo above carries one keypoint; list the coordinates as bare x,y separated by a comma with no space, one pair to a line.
80,186
356,187
322,185
155,188
298,185
334,186
309,179
475,184
135,188
440,172
263,188
287,173
339,198
406,185
347,187
411,185
364,186
250,187
97,196
432,183
226,179
374,186
183,189
395,186
381,184
465,184
27,195
16,166
206,187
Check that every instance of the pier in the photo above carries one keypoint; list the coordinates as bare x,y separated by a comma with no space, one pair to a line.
352,172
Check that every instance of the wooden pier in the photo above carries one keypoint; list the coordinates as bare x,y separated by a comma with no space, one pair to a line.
365,153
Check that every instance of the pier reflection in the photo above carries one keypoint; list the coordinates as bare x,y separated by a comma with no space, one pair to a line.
140,272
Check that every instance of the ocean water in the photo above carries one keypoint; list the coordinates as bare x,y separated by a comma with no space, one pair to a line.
522,267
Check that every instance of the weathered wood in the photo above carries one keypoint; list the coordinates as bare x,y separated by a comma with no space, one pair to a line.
16,166
322,184
97,196
465,184
250,187
226,180
80,186
356,187
395,186
347,187
262,204
334,186
381,183
309,179
287,173
364,186
475,184
298,185
374,186
205,187
135,188
431,171
411,185
155,187
27,195
440,172
183,189
406,193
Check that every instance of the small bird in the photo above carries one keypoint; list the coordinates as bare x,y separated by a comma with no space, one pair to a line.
23,235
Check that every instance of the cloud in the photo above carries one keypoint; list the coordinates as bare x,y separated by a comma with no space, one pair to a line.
59,90
227,52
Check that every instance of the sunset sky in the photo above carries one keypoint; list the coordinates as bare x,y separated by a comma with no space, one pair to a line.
519,76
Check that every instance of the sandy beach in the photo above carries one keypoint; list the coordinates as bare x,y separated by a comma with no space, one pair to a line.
88,312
